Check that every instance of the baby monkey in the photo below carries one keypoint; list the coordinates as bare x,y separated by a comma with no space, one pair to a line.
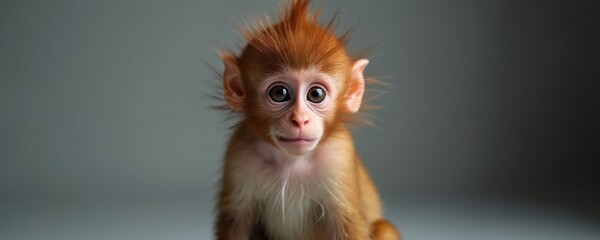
291,170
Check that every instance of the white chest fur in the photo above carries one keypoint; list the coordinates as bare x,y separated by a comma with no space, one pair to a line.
290,195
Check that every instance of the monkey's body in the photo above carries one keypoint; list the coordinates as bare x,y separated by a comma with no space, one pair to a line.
297,197
291,170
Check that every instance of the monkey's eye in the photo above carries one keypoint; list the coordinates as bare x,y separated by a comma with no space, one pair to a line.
316,94
279,94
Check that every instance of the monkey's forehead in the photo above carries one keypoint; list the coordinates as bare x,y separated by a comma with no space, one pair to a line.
299,77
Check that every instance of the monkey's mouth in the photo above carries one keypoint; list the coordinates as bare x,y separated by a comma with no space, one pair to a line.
295,140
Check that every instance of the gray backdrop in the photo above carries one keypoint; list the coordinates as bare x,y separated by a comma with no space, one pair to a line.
106,101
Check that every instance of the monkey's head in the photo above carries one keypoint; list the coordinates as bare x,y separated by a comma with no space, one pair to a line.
294,81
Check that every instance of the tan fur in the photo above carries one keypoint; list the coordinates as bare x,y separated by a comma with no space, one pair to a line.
270,192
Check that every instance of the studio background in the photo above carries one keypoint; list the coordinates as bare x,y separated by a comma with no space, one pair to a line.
489,129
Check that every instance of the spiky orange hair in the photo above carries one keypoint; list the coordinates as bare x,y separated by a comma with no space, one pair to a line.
297,41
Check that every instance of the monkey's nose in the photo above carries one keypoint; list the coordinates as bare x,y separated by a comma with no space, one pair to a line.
300,119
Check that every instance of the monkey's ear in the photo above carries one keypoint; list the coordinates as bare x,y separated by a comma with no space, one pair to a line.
232,83
357,85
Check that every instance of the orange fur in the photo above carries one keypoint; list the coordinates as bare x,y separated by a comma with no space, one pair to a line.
323,192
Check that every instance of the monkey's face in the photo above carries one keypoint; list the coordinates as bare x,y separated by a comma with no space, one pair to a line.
295,108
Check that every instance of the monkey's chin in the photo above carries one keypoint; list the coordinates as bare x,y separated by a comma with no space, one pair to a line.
296,146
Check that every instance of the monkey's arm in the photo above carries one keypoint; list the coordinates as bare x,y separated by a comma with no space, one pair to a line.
234,221
349,221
